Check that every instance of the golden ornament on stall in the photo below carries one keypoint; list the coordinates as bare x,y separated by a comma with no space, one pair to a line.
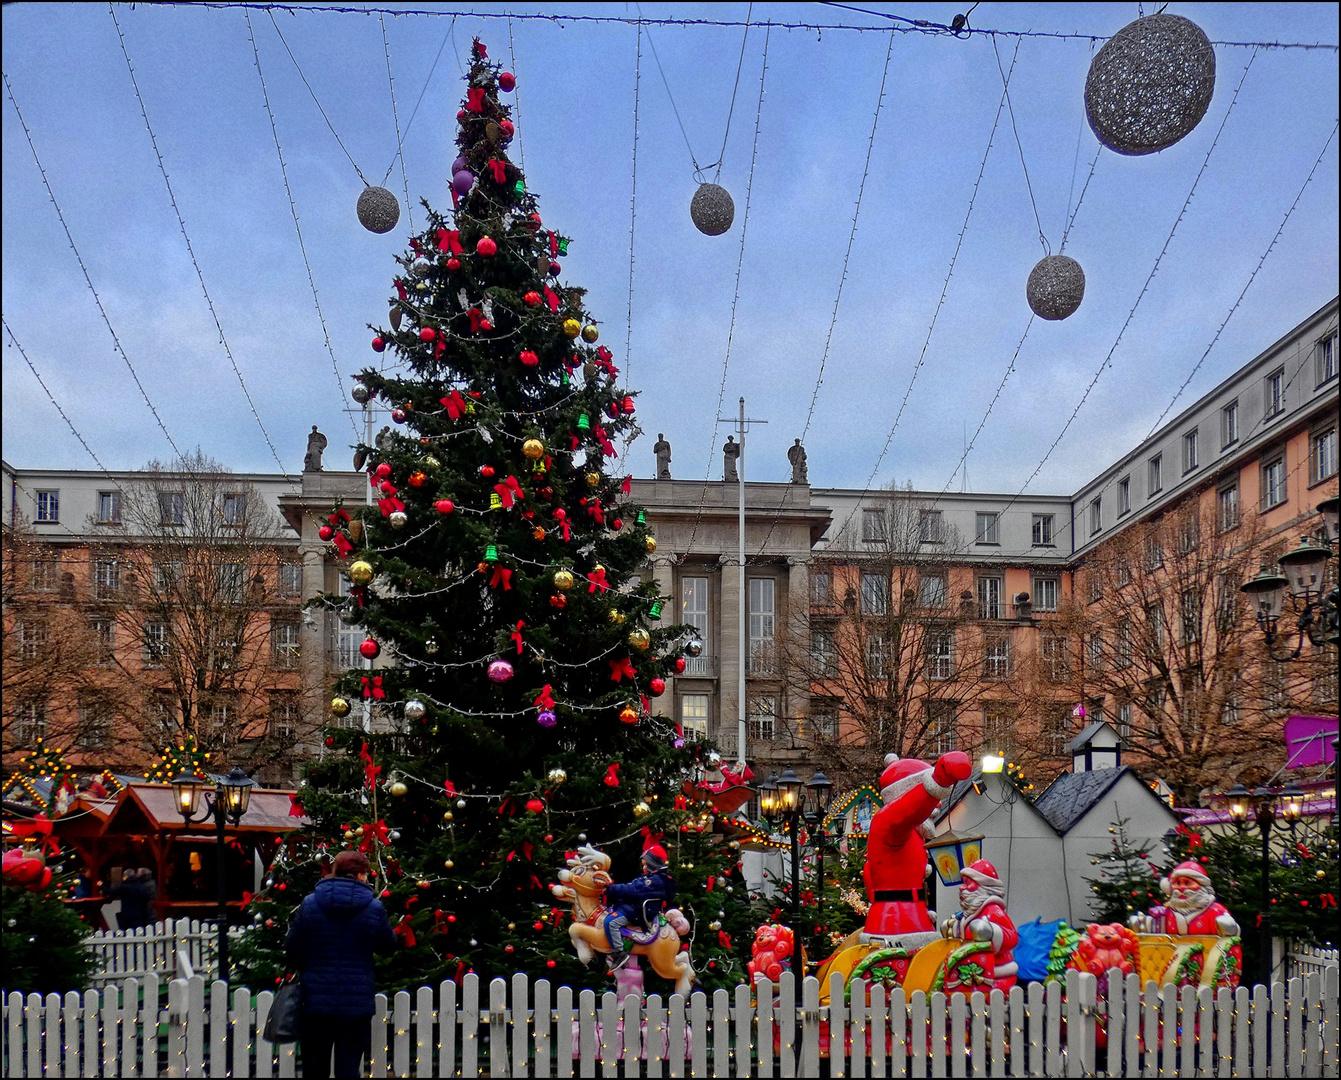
628,715
534,449
563,579
590,333
572,327
360,573
640,638
651,543
339,707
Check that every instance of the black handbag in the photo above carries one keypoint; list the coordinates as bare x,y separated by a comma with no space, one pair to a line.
281,1026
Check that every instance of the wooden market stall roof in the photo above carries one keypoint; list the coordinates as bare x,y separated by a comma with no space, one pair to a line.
152,808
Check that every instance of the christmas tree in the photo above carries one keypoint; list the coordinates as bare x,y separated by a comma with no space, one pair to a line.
503,574
1128,880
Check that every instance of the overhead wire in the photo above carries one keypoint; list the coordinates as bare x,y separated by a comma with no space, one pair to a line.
516,97
1005,89
395,117
666,83
731,111
633,221
401,137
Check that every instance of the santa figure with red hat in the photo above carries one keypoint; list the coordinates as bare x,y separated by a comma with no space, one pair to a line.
896,855
1190,906
982,917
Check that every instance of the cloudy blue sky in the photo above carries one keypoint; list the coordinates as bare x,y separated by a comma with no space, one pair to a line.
576,93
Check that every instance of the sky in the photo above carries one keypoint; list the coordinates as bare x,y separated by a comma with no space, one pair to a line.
826,332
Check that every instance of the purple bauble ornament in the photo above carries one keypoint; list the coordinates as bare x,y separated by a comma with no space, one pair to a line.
678,744
462,181
459,164
500,671
546,719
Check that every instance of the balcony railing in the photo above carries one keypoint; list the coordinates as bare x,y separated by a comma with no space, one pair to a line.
701,667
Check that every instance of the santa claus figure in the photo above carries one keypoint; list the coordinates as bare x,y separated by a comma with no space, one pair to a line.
896,856
1190,906
982,917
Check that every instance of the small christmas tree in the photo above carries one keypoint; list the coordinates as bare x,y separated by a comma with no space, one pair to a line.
1128,881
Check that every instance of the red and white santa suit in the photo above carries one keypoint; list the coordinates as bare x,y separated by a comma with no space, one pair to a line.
983,917
896,857
1191,907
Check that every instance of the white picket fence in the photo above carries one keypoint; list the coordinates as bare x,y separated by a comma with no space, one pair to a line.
180,947
1304,959
511,1028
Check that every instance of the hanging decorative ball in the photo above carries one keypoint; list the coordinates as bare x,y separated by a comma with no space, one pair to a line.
398,788
554,268
398,518
383,470
571,327
506,81
536,806
417,478
556,776
460,804
651,543
360,573
593,478
533,449
693,647
361,394
431,646
487,471
414,709
616,616
447,815
558,601
453,264
640,638
378,345
628,715
657,687
370,650
563,579
1056,287
448,864
679,665
546,719
529,358
377,209
420,268
641,809
1150,84
712,210
590,333
531,299
325,533
486,247
399,415
462,181
339,707
500,671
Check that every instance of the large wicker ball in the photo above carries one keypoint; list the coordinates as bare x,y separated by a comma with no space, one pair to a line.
1150,84
1056,287
712,209
378,210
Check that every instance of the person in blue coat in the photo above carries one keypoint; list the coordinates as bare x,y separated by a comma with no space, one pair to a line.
331,944
638,902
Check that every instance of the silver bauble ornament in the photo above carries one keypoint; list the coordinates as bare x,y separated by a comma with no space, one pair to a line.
1150,84
361,394
431,646
414,709
1055,288
712,210
378,210
420,268
556,776
398,519
693,647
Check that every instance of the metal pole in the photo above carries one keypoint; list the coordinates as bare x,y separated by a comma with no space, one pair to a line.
796,876
1264,821
819,871
223,885
743,610
368,501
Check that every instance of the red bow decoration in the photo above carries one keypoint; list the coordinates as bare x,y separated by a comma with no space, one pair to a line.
1328,900
390,505
597,512
503,574
724,939
340,517
375,831
647,705
372,687
456,199
607,447
620,669
405,931
247,897
553,242
552,299
479,48
455,405
440,923
597,579
563,524
628,484
295,807
449,240
509,491
415,245
477,320
545,699
475,99
516,636
499,169
612,775
574,444
370,770
342,545
449,787
400,289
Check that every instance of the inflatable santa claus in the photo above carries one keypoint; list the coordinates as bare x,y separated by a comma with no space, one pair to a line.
1190,906
982,917
896,857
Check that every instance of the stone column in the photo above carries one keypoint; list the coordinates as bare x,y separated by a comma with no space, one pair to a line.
729,708
798,634
663,573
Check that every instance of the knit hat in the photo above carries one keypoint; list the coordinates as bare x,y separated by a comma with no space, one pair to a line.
982,873
655,858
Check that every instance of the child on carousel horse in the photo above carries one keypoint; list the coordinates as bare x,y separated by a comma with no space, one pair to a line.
638,903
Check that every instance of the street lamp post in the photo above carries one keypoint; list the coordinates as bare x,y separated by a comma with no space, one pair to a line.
1259,807
783,802
821,792
228,801
1302,576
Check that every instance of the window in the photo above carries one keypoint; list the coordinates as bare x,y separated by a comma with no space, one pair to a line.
102,632
284,642
763,718
46,573
1095,644
998,728
1094,585
1155,473
1273,481
1189,535
1123,573
996,657
106,579
822,653
1325,359
49,506
1190,610
942,729
109,508
290,579
1322,455
986,528
1046,591
95,723
875,656
1154,626
940,648
1124,496
1154,552
1232,710
1124,719
989,597
224,654
1189,450
172,507
1124,644
223,716
824,721
694,605
1229,424
156,642
347,639
874,594
874,525
761,626
1056,730
167,573
1227,507
1096,515
230,581
30,722
929,526
821,588
1042,530
234,509
1273,387
694,716
1055,654
932,590
160,714
284,717
32,634
1228,598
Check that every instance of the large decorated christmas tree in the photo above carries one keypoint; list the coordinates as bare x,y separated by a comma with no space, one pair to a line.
503,578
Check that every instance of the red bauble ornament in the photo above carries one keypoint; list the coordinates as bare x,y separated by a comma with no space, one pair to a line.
417,479
385,893
549,838
560,514
559,601
325,532
506,81
679,665
532,299
383,470
486,247
444,506
461,114
539,925
617,524
549,963
453,265
370,650
451,918
398,415
506,127
529,358
628,715
534,222
554,269
486,470
388,488
535,806
508,949
427,333
657,686
330,740
378,344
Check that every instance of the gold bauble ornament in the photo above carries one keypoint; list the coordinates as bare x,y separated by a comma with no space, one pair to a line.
651,543
593,478
616,617
398,788
563,579
628,715
537,533
641,809
339,707
360,573
640,638
349,834
556,776
590,333
447,816
571,327
534,449
448,864
512,926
